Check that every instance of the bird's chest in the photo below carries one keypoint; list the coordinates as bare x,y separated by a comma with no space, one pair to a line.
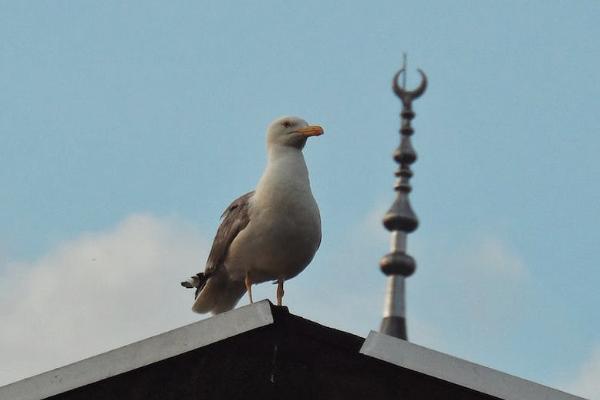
281,238
291,224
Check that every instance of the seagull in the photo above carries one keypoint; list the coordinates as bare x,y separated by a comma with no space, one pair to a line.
269,234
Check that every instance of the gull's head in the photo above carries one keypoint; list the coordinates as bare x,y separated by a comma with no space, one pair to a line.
291,132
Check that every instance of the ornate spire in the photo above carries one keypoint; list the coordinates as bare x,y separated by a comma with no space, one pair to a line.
400,219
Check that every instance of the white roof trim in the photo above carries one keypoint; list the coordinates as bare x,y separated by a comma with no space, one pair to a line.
139,354
455,370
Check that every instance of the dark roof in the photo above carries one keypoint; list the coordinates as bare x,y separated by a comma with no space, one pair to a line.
263,351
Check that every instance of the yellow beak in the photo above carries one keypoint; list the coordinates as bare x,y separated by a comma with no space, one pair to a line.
311,130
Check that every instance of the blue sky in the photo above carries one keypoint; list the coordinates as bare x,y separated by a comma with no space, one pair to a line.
140,121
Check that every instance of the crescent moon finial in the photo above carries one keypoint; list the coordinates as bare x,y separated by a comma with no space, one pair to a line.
407,96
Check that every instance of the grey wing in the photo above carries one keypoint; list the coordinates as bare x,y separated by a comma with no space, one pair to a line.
233,221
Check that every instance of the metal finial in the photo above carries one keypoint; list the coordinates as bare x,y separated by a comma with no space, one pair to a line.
407,96
400,219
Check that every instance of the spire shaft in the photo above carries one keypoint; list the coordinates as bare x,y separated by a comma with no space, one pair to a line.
400,219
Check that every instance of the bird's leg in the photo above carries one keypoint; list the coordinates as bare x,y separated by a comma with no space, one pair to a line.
280,291
248,283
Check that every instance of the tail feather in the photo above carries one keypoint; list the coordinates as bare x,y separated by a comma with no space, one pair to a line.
220,294
197,281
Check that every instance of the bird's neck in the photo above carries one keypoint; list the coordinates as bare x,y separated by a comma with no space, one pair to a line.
285,174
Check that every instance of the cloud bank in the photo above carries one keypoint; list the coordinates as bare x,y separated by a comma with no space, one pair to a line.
96,292
587,382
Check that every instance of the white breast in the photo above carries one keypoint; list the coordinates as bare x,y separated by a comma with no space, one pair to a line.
284,231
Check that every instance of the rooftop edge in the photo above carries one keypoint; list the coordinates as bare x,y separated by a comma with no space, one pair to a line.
139,354
458,371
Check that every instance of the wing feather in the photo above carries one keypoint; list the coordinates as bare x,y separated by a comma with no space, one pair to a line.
233,220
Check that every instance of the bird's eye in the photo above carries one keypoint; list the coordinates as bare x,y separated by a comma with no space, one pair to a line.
287,124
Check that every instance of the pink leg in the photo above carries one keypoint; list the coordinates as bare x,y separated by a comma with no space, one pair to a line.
249,287
280,292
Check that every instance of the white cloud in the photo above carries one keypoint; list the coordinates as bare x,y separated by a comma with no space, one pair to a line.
587,382
97,292
481,281
490,281
494,256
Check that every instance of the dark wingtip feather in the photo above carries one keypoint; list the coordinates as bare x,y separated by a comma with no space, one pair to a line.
197,281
